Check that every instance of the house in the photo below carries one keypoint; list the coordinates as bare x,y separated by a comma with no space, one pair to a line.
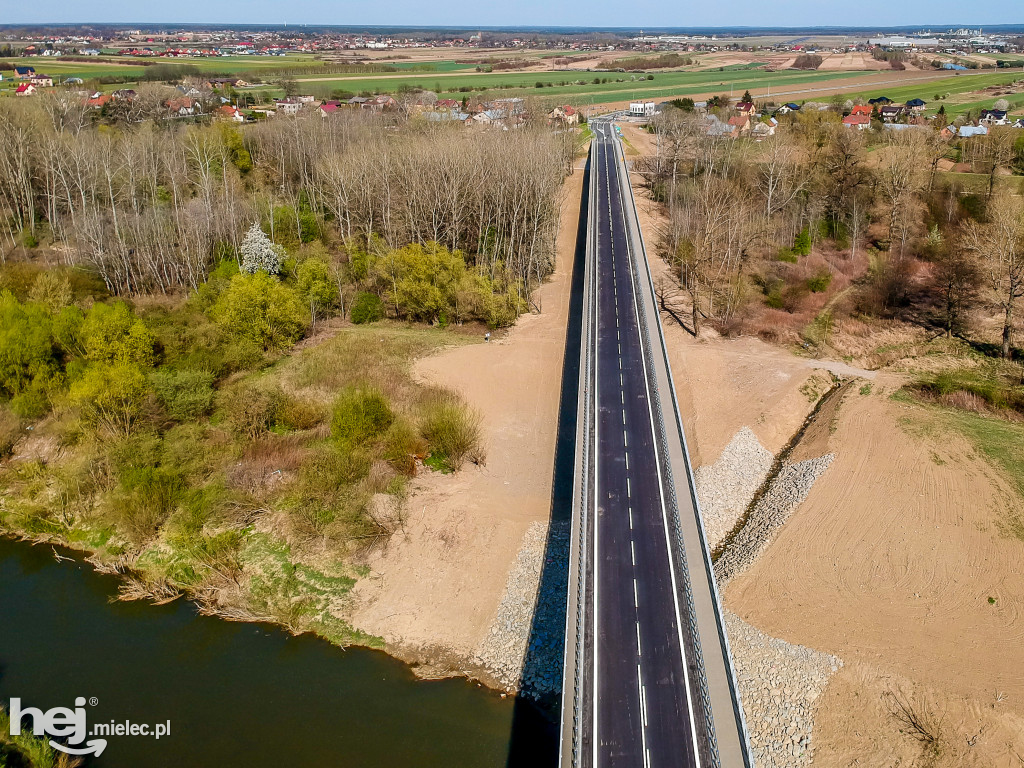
446,116
228,113
740,124
24,73
642,108
447,104
42,81
489,117
1019,123
745,108
288,106
880,101
860,122
891,114
380,103
182,107
785,109
859,110
566,115
357,101
964,131
993,117
25,89
916,106
123,94
762,130
328,108
717,129
98,100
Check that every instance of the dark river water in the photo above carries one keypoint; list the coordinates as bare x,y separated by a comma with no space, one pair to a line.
236,694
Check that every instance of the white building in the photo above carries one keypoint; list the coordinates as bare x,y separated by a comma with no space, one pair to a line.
641,108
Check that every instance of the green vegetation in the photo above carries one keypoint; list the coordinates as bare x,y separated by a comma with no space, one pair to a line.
28,751
184,426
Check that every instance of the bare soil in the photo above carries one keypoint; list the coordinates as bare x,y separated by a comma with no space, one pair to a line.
433,592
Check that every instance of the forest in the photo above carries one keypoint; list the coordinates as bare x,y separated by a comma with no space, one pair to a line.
823,238
207,334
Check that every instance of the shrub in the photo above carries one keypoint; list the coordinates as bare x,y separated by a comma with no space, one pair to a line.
260,309
252,410
452,431
367,308
144,499
184,394
27,354
360,414
787,255
259,254
111,333
10,431
300,414
820,282
111,396
317,286
51,289
802,243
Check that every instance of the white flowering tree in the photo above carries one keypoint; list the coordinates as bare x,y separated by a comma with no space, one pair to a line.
259,253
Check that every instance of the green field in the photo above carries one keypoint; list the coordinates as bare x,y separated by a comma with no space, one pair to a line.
456,80
566,84
964,83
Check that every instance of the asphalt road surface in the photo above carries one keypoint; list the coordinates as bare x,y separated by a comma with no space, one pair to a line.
643,712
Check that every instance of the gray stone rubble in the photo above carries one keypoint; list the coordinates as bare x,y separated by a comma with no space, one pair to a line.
779,686
524,648
787,491
726,487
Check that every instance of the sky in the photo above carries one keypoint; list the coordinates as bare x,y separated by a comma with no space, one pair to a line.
467,13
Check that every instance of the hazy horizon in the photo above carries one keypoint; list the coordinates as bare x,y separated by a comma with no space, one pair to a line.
530,13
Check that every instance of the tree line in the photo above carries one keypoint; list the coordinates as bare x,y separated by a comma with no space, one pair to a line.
873,206
152,207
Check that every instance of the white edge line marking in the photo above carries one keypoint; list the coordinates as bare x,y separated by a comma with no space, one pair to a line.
661,491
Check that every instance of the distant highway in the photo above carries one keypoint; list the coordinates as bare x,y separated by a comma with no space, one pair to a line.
637,692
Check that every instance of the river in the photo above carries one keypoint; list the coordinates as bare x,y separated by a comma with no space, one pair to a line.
236,694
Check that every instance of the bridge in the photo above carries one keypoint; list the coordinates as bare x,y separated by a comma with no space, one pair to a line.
648,672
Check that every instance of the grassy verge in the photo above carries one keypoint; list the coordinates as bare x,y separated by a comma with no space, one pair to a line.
28,751
998,440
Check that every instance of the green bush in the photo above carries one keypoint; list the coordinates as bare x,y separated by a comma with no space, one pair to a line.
802,243
361,414
300,414
146,496
452,431
787,255
184,394
111,333
262,310
820,282
367,308
27,354
111,396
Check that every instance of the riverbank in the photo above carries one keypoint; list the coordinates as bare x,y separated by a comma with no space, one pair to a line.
225,686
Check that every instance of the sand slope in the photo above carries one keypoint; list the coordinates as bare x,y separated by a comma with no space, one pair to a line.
889,564
433,592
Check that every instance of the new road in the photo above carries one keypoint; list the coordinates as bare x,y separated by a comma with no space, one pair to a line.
637,692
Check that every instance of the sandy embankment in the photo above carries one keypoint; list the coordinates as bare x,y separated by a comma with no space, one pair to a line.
434,592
